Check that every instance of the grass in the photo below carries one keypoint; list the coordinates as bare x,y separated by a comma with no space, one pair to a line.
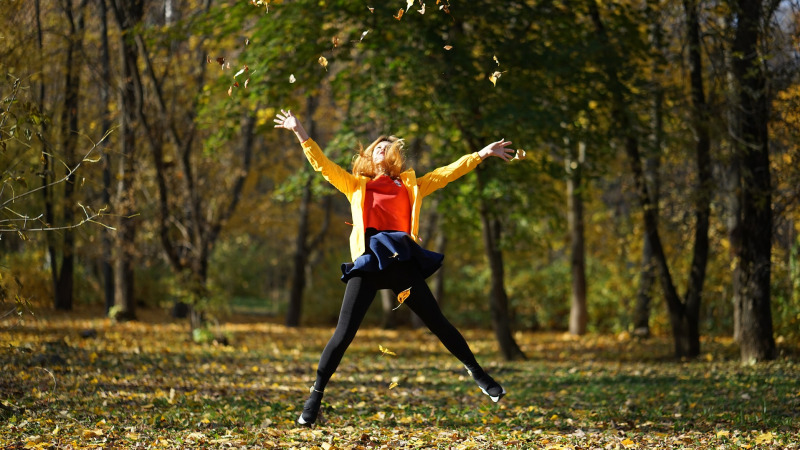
146,385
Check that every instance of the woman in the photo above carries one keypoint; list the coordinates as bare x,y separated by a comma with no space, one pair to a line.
385,201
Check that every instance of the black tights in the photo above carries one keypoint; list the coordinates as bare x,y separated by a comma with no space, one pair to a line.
358,296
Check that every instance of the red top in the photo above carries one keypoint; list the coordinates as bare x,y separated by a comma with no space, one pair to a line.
387,206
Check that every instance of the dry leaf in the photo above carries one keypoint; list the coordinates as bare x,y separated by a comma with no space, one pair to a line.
371,9
494,77
88,434
393,385
399,14
448,47
402,296
246,41
386,351
335,41
323,61
292,79
409,4
495,59
246,82
241,71
230,89
422,11
521,154
363,35
221,61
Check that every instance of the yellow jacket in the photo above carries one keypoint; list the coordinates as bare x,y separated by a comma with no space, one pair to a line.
354,187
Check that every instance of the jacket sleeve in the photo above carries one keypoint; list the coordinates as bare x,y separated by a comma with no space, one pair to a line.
341,179
438,178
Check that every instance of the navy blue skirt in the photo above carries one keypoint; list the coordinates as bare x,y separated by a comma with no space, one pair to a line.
385,248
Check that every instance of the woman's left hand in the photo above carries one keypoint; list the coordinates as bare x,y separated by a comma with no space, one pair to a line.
498,149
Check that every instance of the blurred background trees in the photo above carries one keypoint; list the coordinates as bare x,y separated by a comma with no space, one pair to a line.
661,139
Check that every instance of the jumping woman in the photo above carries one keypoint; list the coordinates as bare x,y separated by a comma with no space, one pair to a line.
385,200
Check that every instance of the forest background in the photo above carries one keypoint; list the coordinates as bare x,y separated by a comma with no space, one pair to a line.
140,167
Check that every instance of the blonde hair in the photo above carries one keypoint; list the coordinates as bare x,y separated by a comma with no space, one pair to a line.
393,163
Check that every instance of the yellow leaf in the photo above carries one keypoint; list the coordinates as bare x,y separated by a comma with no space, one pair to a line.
402,296
392,385
496,60
494,77
87,434
723,433
764,438
627,443
409,4
323,61
399,14
520,155
386,351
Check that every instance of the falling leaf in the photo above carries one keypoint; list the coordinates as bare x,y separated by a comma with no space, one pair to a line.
241,71
228,65
208,59
494,77
448,47
236,84
230,89
520,155
409,4
221,61
495,59
371,9
246,41
363,35
393,385
323,61
399,14
402,296
246,82
335,41
292,79
386,351
422,11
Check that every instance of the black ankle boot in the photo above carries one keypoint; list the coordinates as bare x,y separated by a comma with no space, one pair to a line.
310,408
487,384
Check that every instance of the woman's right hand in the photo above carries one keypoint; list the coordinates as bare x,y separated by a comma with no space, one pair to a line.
285,119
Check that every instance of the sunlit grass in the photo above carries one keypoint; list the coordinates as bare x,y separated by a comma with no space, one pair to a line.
145,384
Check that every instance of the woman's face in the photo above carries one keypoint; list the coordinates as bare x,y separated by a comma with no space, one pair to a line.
379,153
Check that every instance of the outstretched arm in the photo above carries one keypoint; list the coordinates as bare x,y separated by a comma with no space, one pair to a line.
285,119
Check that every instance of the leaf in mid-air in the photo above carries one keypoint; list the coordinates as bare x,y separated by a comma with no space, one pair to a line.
402,296
386,351
292,79
323,61
399,14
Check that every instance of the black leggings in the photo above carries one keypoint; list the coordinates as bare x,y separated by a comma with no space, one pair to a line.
358,296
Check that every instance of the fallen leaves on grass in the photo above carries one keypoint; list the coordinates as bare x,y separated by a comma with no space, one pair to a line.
146,385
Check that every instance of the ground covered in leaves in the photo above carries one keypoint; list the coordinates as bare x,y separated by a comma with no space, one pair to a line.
73,382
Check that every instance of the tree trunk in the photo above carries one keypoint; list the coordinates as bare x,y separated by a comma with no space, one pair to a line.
752,145
652,167
105,99
128,13
705,182
498,299
388,303
47,164
300,258
578,315
69,135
